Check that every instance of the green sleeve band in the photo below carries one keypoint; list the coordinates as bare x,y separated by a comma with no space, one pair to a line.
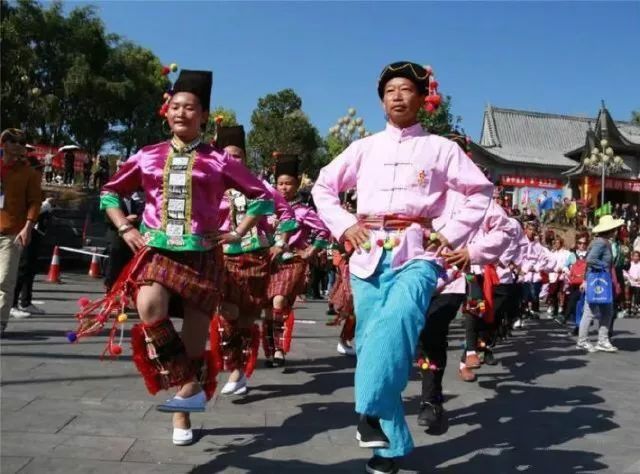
260,207
109,201
321,244
288,226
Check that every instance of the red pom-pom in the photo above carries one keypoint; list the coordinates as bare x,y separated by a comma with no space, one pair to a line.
429,108
84,301
115,349
163,110
434,100
166,70
379,242
433,85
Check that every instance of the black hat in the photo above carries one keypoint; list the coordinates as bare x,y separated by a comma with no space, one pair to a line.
196,82
286,164
230,136
412,71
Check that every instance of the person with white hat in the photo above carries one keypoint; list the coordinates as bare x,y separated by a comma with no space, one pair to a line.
599,258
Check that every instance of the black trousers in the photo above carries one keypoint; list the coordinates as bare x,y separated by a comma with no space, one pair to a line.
69,176
433,342
27,270
572,303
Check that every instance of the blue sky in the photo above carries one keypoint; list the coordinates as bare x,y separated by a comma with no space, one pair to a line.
558,57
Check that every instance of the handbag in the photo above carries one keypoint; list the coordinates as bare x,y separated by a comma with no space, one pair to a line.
599,287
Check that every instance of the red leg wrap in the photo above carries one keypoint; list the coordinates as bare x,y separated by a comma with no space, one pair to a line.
251,347
349,329
288,332
268,344
208,373
160,356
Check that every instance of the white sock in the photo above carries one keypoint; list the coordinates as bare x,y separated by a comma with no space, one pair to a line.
471,353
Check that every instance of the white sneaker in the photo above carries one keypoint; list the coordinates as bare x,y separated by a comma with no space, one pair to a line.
31,309
622,314
235,388
587,346
549,310
345,349
19,314
182,437
605,346
517,324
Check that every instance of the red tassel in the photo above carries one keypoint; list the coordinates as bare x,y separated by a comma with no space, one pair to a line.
214,342
250,365
210,382
288,332
490,281
145,366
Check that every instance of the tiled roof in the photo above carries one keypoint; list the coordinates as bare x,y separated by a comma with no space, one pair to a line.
535,138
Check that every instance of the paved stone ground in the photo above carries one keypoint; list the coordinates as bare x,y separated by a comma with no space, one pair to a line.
545,408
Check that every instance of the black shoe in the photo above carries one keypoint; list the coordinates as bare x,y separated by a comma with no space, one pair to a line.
432,415
278,362
370,434
489,358
380,465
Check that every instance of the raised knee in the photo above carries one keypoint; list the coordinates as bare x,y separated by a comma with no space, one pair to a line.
279,302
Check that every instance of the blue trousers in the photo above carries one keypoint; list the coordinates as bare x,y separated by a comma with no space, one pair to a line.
390,309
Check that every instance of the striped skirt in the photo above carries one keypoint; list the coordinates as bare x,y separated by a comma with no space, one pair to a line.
194,277
288,279
340,295
247,280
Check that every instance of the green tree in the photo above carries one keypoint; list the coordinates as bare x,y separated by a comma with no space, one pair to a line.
65,78
137,94
279,124
635,117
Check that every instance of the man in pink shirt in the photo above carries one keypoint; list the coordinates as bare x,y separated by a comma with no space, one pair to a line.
402,176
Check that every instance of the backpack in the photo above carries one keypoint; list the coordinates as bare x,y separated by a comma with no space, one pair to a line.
577,272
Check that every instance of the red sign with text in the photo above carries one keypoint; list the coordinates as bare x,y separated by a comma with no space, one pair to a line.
530,182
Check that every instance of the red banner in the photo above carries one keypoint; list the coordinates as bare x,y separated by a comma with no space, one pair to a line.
530,182
58,158
617,184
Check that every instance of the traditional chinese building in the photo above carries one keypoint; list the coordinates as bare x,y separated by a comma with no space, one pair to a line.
535,155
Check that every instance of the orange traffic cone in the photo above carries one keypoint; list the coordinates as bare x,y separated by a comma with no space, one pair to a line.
54,269
94,268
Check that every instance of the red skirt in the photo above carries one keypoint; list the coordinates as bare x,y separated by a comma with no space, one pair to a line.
340,295
195,277
247,280
288,279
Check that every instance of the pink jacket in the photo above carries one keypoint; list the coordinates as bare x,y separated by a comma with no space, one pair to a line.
536,258
404,172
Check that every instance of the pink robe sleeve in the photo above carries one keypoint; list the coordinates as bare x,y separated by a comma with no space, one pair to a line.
338,176
313,221
127,179
463,176
237,176
511,253
499,233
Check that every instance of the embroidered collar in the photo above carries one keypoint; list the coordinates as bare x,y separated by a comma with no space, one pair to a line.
396,133
180,147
